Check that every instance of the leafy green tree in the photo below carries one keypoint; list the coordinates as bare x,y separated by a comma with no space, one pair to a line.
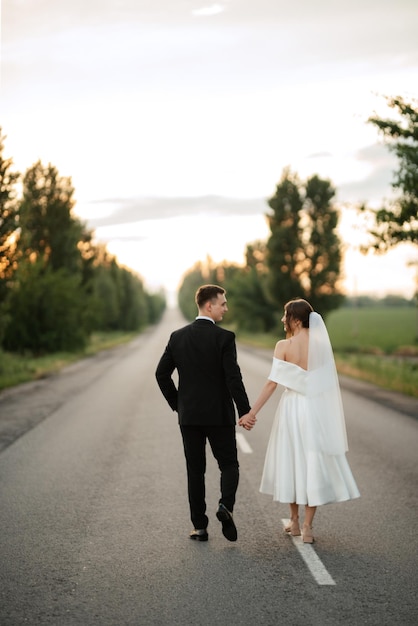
120,300
49,231
304,250
49,302
133,312
8,231
48,313
156,305
284,253
250,306
8,210
397,222
106,299
322,247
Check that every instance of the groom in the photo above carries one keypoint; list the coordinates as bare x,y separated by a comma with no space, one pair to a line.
210,382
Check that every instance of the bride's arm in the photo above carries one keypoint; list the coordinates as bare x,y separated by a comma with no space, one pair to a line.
248,420
265,394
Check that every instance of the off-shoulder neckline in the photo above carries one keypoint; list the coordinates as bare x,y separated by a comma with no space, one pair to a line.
290,363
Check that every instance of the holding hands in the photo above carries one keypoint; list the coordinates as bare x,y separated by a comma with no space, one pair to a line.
247,421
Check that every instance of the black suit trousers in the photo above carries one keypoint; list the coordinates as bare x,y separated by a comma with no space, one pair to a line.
224,448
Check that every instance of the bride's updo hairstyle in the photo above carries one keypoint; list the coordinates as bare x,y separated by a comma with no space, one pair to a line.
298,309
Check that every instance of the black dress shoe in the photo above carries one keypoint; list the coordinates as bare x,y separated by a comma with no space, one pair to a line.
229,529
199,534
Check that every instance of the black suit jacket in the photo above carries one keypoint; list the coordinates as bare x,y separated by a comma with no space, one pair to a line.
209,377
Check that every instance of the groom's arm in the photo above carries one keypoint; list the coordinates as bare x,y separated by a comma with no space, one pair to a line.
165,368
233,376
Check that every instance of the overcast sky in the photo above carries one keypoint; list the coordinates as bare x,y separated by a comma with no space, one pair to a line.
175,118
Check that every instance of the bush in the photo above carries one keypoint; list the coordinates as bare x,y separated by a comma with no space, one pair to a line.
47,312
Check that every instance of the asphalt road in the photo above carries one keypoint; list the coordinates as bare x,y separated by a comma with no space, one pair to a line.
94,517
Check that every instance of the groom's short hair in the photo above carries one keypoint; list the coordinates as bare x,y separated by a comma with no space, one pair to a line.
207,292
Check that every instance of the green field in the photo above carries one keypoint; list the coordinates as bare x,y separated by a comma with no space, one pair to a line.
378,345
389,330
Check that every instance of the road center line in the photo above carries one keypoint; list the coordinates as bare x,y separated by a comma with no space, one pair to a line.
312,560
243,444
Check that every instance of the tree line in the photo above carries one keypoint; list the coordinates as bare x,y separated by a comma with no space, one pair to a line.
303,255
57,285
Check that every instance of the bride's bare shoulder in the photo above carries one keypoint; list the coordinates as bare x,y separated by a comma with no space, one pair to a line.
280,349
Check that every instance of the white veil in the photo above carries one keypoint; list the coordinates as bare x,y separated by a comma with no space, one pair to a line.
323,390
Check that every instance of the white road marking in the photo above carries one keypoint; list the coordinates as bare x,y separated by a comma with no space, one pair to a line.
312,560
243,444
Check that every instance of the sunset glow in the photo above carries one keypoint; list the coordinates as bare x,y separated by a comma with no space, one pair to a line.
175,120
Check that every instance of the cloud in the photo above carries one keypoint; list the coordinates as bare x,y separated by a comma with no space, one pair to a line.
376,186
133,210
121,238
372,187
376,153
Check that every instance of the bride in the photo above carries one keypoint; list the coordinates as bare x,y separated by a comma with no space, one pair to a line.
305,461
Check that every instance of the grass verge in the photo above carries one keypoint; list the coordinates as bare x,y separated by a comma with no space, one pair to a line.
396,374
16,369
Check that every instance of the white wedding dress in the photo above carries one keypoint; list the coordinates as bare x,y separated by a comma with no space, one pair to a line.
305,459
